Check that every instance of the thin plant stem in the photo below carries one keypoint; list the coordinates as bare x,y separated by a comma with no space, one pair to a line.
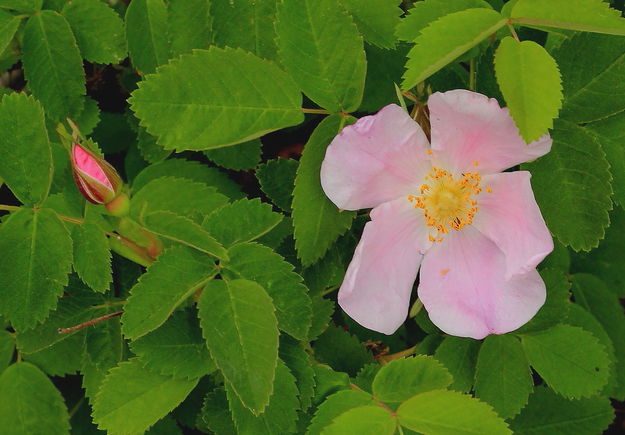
385,359
317,111
513,32
472,75
89,323
379,402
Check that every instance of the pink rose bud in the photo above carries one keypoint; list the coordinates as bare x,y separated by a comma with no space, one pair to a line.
96,179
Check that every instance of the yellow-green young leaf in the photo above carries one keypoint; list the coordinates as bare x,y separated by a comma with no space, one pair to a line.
190,24
427,11
176,275
248,25
572,187
403,378
331,74
279,416
446,39
364,420
53,65
8,26
132,398
29,403
185,231
98,29
241,332
530,82
584,15
570,360
146,33
441,412
92,257
503,377
27,6
317,222
215,98
335,405
36,265
25,155
290,296
376,19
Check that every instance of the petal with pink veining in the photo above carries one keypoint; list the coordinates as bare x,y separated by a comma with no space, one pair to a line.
380,158
378,282
463,287
509,216
468,127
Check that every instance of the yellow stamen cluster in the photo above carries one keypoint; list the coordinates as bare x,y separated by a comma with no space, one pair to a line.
447,203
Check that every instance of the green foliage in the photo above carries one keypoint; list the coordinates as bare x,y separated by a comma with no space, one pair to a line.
53,66
577,211
210,93
459,355
29,402
366,420
33,275
146,33
27,6
162,289
331,75
190,25
341,351
335,405
384,70
132,398
8,26
25,156
243,156
316,220
376,20
92,257
571,360
277,180
530,82
297,360
436,46
99,31
243,314
7,348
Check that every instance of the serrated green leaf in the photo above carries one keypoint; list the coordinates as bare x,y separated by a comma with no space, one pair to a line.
384,70
550,414
8,27
277,179
322,312
585,15
190,24
216,413
103,343
240,157
131,398
447,38
185,102
592,294
330,74
317,221
364,420
591,67
328,382
247,25
33,275
149,148
27,6
572,187
608,133
29,403
441,412
366,375
92,257
403,378
503,377
176,275
279,416
571,360
146,33
7,349
427,11
289,295
243,314
334,406
530,82
89,118
61,359
341,351
193,171
242,221
176,348
459,355
376,20
165,426
177,195
98,29
185,231
298,361
53,66
25,154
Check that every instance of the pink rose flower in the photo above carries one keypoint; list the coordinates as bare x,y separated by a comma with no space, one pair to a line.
96,179
447,208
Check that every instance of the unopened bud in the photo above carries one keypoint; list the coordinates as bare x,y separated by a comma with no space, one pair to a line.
96,179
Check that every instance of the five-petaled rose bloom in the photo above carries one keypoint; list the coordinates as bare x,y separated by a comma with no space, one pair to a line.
96,179
476,232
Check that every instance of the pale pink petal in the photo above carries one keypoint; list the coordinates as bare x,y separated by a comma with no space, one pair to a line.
468,127
509,216
378,282
464,290
87,164
379,158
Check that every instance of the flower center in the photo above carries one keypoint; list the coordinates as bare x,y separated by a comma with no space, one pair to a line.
447,202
